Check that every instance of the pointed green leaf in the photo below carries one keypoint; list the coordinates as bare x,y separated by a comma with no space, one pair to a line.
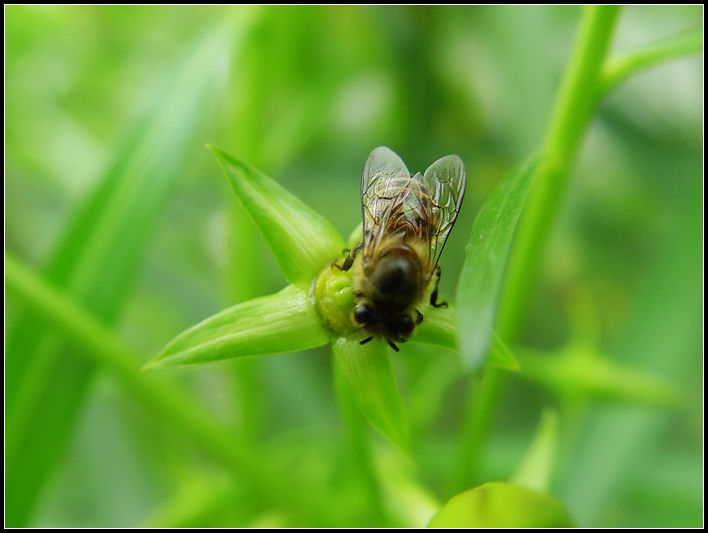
439,327
283,322
621,67
501,505
356,236
301,239
367,369
536,467
95,261
500,356
165,401
486,255
579,371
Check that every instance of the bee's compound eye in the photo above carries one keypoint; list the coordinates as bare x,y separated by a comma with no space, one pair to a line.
406,325
362,314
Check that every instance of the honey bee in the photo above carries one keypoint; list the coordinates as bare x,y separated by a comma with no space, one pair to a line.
406,221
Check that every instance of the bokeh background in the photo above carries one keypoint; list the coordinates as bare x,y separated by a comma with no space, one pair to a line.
305,93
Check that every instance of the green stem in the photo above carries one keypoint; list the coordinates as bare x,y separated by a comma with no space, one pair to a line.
483,397
619,68
165,400
359,445
569,120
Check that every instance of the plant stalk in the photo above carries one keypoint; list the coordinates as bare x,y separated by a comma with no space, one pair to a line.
165,401
568,122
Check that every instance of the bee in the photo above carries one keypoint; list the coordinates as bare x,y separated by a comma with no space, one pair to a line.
406,221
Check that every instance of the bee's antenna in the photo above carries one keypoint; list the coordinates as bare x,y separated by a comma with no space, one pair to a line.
367,339
395,348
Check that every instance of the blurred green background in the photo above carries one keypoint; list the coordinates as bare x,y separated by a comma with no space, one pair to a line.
305,93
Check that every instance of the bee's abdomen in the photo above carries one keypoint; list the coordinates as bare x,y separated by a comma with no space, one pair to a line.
397,280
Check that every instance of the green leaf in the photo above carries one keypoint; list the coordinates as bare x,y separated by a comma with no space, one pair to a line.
367,370
501,357
439,327
536,467
166,402
96,261
579,371
485,263
301,239
619,68
283,322
501,505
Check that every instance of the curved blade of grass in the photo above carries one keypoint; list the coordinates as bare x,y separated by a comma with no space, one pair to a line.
163,399
501,505
301,239
283,322
439,328
536,467
367,369
96,261
486,256
618,69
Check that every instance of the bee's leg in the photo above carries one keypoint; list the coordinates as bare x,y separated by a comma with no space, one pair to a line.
392,345
418,317
349,260
367,339
434,294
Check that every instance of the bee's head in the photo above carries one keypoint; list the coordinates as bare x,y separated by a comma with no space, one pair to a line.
364,314
396,327
403,326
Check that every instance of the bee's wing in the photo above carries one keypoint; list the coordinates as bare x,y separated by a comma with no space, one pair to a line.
383,183
444,182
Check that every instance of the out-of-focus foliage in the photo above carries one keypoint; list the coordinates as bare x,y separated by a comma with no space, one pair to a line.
612,338
501,505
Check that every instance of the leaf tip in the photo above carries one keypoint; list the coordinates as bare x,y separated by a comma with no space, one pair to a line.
218,152
152,364
157,362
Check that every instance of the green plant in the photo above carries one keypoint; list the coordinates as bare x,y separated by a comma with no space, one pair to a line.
303,242
62,327
105,241
313,310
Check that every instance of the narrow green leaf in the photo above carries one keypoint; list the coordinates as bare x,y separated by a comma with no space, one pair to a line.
486,256
367,369
536,467
360,458
356,236
501,505
96,261
570,116
196,503
580,372
500,356
301,239
164,400
283,322
439,328
618,69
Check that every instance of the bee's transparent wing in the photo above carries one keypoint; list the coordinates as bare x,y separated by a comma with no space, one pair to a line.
383,183
444,183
